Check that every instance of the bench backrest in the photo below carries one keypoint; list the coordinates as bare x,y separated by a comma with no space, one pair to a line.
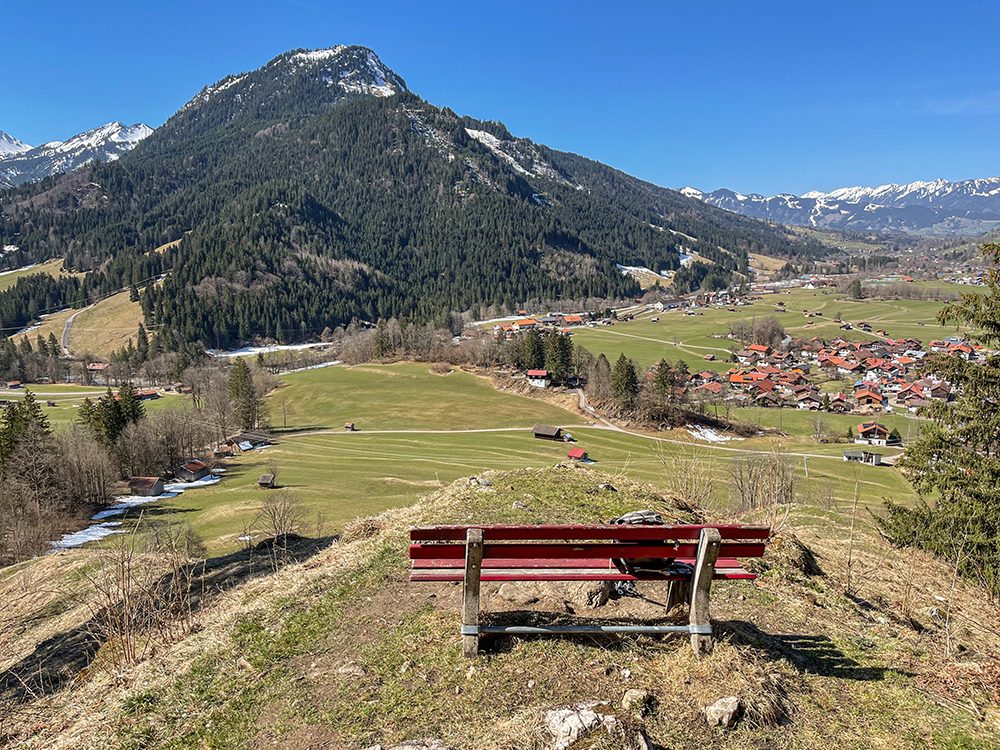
580,542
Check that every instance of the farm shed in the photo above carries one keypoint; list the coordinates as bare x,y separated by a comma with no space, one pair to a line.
146,486
192,471
266,482
578,454
547,433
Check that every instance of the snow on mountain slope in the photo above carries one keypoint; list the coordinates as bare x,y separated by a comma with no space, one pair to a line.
10,145
936,207
104,143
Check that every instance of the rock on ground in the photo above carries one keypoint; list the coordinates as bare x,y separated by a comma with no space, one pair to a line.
567,724
723,712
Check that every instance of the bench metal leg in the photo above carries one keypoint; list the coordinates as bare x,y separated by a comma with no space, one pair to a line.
708,553
470,592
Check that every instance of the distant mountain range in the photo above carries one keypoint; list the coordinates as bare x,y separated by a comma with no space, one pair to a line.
20,163
940,207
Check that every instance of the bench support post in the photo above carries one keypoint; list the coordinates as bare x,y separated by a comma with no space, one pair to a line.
708,553
470,591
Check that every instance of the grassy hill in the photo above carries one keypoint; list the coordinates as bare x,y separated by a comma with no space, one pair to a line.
335,649
106,326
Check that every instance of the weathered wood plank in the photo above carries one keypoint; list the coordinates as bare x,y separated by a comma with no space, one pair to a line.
470,592
584,550
701,585
503,532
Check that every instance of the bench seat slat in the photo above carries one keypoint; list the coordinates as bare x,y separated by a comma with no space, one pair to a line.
580,551
570,532
597,563
567,574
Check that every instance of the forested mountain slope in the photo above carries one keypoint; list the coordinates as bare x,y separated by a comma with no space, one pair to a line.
318,189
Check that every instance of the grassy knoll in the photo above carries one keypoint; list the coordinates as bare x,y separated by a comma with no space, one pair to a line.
403,397
342,651
106,326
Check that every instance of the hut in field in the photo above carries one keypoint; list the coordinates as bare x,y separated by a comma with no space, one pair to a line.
578,454
145,486
193,470
266,482
543,432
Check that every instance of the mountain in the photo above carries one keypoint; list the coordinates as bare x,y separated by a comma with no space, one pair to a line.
940,207
21,163
319,189
10,145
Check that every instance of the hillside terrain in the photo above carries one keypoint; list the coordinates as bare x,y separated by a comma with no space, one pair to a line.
318,189
335,649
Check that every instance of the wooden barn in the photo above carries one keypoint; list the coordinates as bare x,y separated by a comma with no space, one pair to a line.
266,482
145,486
578,454
546,433
192,471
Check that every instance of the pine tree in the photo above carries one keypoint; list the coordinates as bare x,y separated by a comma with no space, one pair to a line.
956,458
54,346
663,380
558,356
625,381
131,407
86,414
247,405
534,351
109,420
41,346
142,343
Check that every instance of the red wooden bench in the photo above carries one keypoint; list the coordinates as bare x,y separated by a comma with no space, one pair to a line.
472,554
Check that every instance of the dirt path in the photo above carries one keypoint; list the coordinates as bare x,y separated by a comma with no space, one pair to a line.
679,345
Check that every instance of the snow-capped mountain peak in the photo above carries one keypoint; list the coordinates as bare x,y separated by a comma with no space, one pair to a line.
11,145
332,73
935,206
104,143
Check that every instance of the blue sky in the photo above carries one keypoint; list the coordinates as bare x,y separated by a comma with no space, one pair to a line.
755,96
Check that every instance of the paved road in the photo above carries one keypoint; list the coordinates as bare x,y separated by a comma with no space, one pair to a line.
69,324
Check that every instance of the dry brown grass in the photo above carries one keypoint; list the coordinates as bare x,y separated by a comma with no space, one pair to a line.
107,326
807,661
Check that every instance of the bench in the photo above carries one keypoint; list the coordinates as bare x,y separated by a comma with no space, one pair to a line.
472,554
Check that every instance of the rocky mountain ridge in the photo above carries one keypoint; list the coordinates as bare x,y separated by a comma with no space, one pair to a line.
937,207
20,163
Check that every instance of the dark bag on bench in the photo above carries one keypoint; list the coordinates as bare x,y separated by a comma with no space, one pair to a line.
642,565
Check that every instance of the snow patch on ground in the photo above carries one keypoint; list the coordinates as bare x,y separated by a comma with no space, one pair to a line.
16,270
254,350
103,528
493,144
701,432
312,367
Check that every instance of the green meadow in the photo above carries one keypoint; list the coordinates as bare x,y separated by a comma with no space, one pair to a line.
691,337
408,444
67,400
402,397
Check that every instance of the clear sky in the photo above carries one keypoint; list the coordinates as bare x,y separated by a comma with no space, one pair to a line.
755,96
